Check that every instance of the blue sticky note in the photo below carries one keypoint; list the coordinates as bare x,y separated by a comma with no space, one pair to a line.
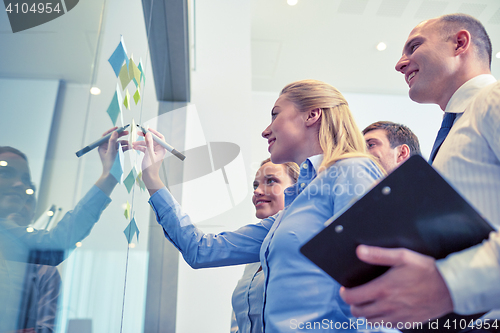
130,180
117,168
140,67
131,230
114,109
140,182
118,57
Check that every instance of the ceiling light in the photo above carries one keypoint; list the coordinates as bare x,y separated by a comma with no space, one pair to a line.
3,163
292,2
131,245
498,55
50,213
381,46
29,229
95,91
30,191
78,244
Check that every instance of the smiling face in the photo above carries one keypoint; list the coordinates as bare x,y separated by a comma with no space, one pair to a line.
429,64
270,182
15,179
286,135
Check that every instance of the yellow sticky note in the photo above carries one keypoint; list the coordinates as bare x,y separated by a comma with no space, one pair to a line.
134,72
124,76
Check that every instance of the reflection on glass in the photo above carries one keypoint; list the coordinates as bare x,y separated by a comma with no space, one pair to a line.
30,282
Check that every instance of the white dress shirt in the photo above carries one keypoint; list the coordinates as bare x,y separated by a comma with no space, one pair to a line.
469,160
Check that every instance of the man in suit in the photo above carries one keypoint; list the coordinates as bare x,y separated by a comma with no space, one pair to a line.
446,61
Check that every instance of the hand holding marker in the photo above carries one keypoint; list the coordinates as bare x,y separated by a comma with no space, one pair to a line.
163,143
99,142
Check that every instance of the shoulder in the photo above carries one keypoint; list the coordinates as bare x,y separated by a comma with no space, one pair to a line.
355,167
488,97
486,105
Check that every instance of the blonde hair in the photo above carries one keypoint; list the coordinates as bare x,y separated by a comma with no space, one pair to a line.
339,136
292,169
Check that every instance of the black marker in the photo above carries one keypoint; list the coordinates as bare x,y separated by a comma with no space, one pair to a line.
97,143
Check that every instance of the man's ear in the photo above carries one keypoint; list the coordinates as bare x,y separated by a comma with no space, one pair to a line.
313,117
403,153
462,40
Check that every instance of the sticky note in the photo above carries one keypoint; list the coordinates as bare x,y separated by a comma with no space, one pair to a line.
117,168
114,108
140,182
137,96
131,230
134,72
118,57
130,180
133,132
127,211
120,99
141,68
124,76
126,100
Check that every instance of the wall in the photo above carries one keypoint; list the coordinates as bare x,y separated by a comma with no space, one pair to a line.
221,92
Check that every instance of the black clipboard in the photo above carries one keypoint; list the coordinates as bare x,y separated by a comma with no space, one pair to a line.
414,208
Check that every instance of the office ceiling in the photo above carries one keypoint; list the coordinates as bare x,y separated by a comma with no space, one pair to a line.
335,40
330,40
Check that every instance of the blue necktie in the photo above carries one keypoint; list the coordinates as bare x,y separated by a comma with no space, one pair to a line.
448,120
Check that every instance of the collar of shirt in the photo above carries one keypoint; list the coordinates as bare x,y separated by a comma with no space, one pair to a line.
307,174
464,95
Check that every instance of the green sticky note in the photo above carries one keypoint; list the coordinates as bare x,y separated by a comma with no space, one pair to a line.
126,100
127,211
137,96
124,76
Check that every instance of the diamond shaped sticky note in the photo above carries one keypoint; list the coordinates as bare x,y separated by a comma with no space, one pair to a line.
124,76
137,96
114,109
117,168
126,100
134,72
127,211
118,57
130,180
141,68
131,230
140,182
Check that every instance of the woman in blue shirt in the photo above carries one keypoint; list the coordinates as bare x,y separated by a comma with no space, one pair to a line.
312,126
268,198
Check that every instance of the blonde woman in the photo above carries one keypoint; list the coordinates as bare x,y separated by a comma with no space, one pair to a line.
312,126
268,198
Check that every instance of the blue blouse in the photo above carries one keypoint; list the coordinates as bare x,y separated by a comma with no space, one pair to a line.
297,294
